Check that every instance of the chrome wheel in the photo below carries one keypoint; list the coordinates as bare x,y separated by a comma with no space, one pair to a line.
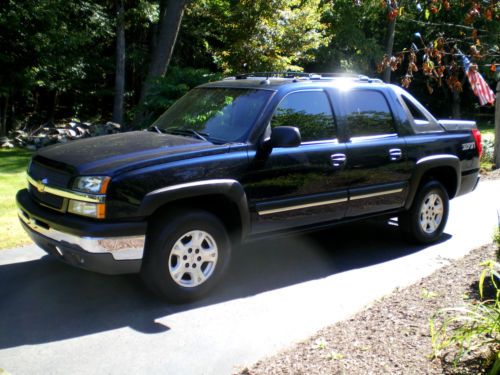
193,258
431,213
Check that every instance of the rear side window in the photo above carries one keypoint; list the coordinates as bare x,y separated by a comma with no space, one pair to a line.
415,112
309,111
367,114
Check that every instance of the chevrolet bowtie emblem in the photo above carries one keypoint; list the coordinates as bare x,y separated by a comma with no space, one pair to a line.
40,185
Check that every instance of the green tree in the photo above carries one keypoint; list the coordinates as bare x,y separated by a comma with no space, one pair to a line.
356,35
46,49
261,35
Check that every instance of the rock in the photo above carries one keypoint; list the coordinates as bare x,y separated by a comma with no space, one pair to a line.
50,133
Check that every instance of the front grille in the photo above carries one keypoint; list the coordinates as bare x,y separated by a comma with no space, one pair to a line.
51,177
50,200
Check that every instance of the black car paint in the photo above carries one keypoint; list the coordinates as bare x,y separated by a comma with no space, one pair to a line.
141,164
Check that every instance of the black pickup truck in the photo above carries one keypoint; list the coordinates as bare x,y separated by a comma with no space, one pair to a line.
240,159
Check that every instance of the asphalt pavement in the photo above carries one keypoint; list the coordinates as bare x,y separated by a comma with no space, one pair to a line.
55,319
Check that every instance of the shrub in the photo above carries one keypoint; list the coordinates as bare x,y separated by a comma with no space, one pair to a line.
473,326
488,150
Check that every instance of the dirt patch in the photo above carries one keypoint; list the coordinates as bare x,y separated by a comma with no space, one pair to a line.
490,175
391,336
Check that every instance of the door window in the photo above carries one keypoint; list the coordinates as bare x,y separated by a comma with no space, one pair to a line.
367,114
309,111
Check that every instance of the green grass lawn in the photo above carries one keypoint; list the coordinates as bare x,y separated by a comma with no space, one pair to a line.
13,165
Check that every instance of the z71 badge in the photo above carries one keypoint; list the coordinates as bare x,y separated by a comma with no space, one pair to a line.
468,146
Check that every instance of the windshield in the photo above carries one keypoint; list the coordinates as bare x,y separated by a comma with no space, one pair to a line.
219,114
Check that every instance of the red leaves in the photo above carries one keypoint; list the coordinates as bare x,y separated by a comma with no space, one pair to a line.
454,83
406,81
488,13
474,34
392,9
393,62
392,14
474,11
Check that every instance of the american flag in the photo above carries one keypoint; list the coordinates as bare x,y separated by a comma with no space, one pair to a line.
477,82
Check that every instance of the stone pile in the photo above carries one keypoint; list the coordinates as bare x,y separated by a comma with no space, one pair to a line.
48,134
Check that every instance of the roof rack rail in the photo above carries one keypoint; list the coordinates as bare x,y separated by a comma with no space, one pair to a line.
275,74
302,76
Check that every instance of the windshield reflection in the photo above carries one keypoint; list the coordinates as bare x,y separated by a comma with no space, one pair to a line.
220,114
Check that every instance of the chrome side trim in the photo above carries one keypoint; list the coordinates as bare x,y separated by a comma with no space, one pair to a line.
300,206
436,157
371,195
65,193
193,184
121,248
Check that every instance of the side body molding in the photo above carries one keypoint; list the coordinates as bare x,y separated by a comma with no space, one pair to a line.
427,163
231,189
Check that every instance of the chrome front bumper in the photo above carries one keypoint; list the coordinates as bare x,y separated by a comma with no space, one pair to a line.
121,248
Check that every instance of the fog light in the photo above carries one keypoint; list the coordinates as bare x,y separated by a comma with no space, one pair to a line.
95,210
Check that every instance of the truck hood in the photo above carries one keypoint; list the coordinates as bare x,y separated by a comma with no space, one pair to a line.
111,154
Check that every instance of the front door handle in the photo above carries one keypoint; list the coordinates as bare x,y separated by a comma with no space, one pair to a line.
338,160
395,154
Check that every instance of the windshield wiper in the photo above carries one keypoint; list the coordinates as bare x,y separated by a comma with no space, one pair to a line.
192,132
153,128
200,135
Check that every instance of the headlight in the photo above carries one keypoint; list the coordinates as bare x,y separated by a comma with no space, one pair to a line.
95,210
91,184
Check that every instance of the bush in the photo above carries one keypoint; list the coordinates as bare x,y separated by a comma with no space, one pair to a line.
488,150
473,326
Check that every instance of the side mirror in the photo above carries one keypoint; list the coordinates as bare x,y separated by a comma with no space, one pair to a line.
285,136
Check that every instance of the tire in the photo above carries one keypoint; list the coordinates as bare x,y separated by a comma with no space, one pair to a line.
425,221
185,255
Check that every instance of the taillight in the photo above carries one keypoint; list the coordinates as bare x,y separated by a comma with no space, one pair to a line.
477,138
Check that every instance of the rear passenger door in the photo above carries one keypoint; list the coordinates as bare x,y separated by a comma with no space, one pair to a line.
376,162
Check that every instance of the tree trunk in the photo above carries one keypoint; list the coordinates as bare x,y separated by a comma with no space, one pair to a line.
169,29
120,64
455,107
3,116
391,31
170,24
496,151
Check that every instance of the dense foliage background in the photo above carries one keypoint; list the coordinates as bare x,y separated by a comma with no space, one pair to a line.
128,60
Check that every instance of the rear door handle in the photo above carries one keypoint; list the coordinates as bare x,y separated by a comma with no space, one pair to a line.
338,160
395,154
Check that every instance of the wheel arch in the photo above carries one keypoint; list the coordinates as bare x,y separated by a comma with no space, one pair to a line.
225,199
442,168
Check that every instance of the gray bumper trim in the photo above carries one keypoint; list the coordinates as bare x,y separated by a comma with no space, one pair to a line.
121,248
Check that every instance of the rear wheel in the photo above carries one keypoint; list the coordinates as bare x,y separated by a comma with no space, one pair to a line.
427,217
185,255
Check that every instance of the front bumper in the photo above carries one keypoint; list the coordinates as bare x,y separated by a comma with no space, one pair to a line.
109,248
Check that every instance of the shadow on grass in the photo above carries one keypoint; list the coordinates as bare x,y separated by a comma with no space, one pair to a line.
14,160
45,301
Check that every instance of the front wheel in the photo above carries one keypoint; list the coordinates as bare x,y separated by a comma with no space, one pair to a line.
427,217
186,254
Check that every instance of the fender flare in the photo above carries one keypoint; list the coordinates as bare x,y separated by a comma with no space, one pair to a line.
229,188
427,163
